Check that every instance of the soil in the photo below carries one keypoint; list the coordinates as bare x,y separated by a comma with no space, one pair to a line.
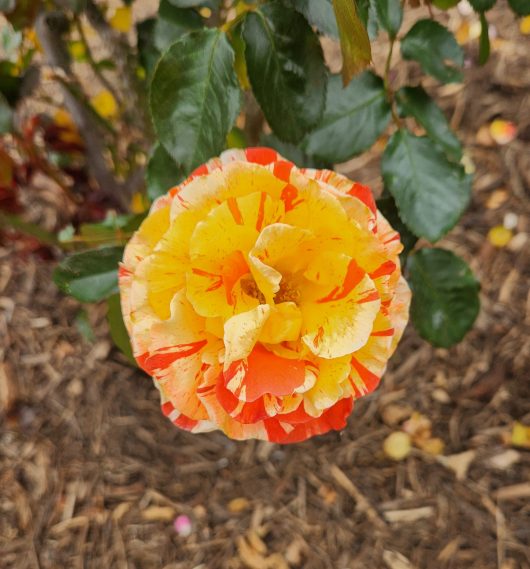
93,476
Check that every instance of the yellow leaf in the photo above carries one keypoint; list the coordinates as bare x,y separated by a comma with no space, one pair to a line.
354,40
77,50
520,435
122,19
63,118
138,203
499,236
105,104
238,505
524,26
397,445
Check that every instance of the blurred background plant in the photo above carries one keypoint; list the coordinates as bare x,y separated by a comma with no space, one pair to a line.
107,107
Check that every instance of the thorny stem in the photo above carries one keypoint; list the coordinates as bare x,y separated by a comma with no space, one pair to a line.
57,56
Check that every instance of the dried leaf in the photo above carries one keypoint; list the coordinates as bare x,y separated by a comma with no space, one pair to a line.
354,40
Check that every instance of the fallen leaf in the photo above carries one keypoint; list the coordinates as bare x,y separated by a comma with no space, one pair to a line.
397,445
520,435
524,25
497,198
499,236
238,505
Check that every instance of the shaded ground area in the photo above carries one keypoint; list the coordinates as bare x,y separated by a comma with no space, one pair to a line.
92,475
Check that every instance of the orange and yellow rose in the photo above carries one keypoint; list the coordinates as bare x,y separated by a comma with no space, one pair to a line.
263,299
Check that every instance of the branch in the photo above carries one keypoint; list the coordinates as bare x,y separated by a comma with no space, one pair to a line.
122,55
49,27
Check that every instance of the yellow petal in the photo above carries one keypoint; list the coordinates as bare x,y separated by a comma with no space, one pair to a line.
241,332
329,385
283,324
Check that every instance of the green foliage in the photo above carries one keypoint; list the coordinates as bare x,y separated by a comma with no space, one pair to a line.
436,50
6,116
484,44
195,97
431,193
162,173
445,300
415,102
286,69
390,15
520,7
118,332
318,13
89,276
354,118
192,66
482,5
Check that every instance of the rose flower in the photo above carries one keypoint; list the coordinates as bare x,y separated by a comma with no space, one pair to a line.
263,299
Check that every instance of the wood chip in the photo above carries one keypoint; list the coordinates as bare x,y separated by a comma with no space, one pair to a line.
410,515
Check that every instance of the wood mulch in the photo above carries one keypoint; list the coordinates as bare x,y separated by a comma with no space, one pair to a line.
92,475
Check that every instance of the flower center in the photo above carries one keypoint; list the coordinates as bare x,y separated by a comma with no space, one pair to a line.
287,293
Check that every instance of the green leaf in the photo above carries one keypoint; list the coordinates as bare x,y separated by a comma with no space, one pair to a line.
195,97
431,193
484,43
10,82
118,332
387,206
436,49
354,40
172,23
83,325
445,4
163,173
213,4
482,5
445,299
236,138
6,116
292,152
318,13
91,275
520,7
354,118
415,102
286,69
390,15
368,14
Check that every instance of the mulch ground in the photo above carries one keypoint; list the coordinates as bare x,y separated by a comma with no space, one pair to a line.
93,476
